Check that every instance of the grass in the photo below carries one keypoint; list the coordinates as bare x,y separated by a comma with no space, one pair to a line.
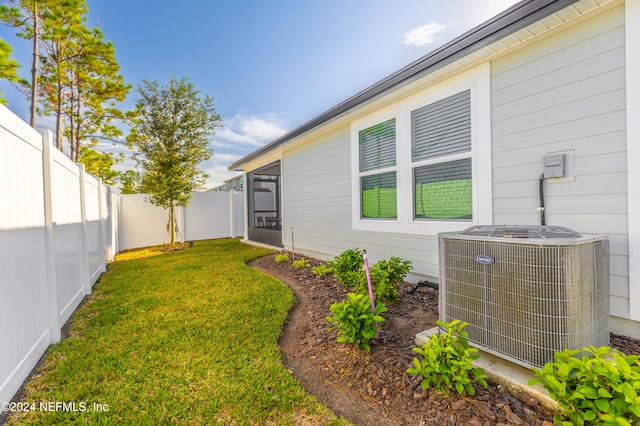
188,337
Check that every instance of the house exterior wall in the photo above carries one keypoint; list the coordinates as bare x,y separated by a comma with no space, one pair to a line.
562,92
317,203
566,94
632,66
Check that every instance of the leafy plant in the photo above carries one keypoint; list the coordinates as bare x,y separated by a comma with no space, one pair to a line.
321,270
347,267
282,258
386,275
300,264
447,361
355,321
593,386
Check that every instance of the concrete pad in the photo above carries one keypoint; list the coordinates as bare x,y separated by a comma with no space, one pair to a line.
512,376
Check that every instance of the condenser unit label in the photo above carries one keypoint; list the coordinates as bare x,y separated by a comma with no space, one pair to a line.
484,259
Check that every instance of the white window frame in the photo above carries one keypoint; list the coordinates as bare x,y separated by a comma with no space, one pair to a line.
477,80
382,170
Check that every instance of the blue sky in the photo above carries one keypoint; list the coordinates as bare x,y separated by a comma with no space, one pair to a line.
269,65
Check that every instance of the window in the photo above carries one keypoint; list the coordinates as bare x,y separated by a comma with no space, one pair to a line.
422,164
440,136
377,158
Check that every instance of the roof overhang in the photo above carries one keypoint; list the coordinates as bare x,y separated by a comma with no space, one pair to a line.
488,36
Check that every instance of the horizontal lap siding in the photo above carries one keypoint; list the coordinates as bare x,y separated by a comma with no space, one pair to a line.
316,182
566,93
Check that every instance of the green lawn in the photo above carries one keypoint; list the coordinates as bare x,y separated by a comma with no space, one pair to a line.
188,337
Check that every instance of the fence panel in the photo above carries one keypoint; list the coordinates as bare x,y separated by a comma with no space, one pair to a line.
140,223
50,214
23,275
209,215
238,214
68,235
95,237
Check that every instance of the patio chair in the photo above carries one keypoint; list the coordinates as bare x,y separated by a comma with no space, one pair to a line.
272,222
260,222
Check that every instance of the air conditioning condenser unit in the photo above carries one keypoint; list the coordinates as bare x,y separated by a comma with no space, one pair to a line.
526,291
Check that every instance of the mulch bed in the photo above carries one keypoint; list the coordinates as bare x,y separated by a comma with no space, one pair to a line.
373,388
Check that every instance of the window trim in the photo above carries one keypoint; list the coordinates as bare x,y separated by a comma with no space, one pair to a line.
477,80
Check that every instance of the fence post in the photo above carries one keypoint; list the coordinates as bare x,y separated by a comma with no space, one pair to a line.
85,237
101,225
52,282
232,216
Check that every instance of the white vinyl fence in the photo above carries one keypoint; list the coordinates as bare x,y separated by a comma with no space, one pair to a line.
209,215
56,236
59,227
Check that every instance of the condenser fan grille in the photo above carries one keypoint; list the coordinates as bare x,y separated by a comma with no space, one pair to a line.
525,300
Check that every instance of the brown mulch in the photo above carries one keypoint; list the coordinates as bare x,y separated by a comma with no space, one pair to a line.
373,388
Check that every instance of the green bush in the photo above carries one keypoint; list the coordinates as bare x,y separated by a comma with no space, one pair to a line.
300,264
355,321
282,257
447,361
596,386
386,276
347,267
321,270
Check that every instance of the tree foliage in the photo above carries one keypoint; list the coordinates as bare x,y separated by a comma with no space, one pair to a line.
129,181
99,164
171,136
26,15
75,75
8,67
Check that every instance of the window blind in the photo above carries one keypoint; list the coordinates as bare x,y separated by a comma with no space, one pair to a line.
442,128
378,146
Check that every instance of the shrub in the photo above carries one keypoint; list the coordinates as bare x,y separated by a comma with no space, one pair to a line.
300,264
386,275
321,270
355,321
347,267
282,257
447,361
593,386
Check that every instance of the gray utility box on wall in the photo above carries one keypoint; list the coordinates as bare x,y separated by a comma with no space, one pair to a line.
526,291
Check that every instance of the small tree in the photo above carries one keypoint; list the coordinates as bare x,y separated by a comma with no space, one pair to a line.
171,135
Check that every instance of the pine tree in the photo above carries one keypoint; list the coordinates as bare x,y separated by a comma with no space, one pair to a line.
27,15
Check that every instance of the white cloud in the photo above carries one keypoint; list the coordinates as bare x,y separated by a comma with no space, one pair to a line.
248,130
424,34
240,135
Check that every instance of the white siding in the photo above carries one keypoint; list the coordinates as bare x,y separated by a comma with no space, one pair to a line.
566,93
317,204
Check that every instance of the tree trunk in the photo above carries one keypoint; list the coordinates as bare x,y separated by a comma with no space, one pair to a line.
34,66
172,224
72,128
